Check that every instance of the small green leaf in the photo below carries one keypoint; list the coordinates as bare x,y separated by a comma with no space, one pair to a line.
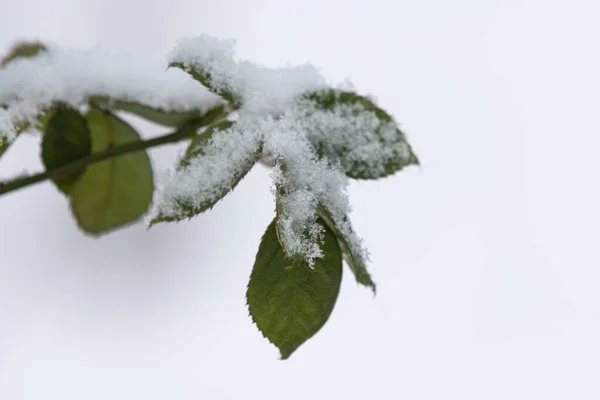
22,50
66,139
353,257
204,77
20,127
116,191
368,144
288,300
5,143
195,150
159,116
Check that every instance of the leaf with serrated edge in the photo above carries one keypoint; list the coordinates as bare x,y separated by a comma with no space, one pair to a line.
194,151
116,191
66,139
355,260
288,300
358,135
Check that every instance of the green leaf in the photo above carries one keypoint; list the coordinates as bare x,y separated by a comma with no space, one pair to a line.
368,144
197,145
66,139
22,50
22,126
196,150
159,116
116,191
203,76
288,300
5,143
353,257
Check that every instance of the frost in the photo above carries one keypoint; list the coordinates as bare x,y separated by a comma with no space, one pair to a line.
29,85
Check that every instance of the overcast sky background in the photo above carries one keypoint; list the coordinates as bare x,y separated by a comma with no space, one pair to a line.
486,258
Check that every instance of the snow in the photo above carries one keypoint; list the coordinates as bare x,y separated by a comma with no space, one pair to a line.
274,117
264,90
354,137
28,85
205,180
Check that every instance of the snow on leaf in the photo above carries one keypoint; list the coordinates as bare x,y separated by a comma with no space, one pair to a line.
215,162
354,253
29,85
261,90
352,131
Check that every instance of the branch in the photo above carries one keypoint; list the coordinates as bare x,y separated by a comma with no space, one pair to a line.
185,132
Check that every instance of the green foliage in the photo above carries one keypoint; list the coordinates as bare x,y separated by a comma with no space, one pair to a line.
288,300
204,77
100,163
23,50
194,151
388,136
116,191
352,256
159,116
67,139
4,144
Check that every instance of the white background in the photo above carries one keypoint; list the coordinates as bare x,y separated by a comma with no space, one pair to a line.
486,258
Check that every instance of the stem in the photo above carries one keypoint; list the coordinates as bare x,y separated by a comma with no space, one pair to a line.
185,132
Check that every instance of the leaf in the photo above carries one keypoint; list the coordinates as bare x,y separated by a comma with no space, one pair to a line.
189,208
204,77
66,139
5,143
288,300
22,50
22,126
197,145
353,257
159,116
364,139
116,191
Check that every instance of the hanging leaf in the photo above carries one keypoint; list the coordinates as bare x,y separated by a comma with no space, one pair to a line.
352,254
66,139
116,191
162,117
203,76
350,130
235,162
288,300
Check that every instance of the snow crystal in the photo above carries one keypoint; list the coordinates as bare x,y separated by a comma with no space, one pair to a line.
28,85
263,90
